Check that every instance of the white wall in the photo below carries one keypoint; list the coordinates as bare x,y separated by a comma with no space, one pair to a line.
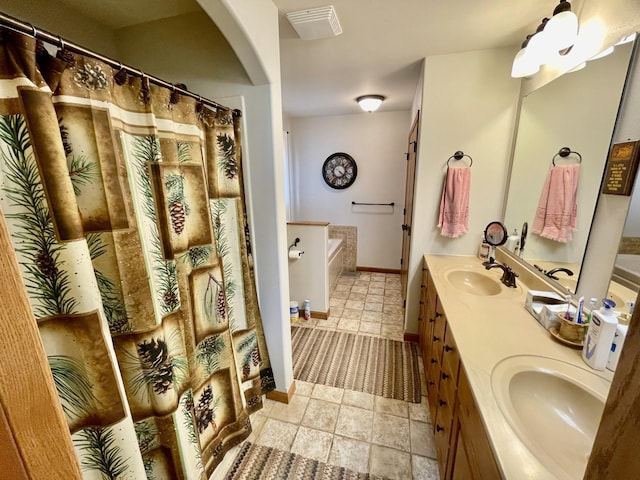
309,275
377,142
469,104
60,20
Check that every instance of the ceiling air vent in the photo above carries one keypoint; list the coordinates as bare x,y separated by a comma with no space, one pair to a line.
315,23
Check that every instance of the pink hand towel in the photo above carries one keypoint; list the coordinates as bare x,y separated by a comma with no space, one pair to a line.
558,206
454,205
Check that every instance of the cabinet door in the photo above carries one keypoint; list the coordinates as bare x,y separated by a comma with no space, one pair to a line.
460,468
477,447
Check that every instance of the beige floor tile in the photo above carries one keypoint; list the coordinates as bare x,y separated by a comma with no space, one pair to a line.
337,302
257,422
345,281
393,318
330,323
290,412
390,463
330,394
348,325
420,411
321,415
359,289
424,468
391,406
375,298
392,300
342,287
391,431
357,296
392,308
370,316
352,313
354,305
358,399
355,423
374,290
392,332
361,283
378,276
267,405
341,294
373,307
370,328
336,311
304,388
312,444
422,439
364,275
350,453
277,434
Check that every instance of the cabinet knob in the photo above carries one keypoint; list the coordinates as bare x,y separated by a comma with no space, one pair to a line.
444,376
433,360
436,339
447,348
431,320
421,302
431,383
438,314
439,428
442,403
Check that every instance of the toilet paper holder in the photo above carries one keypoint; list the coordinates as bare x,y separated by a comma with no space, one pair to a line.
294,244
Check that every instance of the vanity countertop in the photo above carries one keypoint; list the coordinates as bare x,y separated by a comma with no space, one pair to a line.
488,330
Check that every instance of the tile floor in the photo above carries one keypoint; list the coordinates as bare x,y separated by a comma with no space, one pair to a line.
355,430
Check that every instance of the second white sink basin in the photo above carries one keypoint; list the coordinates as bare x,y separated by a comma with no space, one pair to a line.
554,407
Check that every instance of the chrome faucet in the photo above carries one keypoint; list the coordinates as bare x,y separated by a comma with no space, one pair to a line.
551,273
508,275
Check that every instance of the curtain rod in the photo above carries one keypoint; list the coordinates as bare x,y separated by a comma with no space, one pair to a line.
37,33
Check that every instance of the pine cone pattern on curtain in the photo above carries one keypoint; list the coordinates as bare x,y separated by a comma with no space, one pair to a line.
130,228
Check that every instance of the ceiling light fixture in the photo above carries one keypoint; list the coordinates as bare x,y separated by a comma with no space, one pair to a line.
370,103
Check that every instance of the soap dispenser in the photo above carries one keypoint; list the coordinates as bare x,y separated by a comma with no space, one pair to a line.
600,336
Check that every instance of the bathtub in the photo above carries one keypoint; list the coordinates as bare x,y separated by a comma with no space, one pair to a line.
626,271
334,257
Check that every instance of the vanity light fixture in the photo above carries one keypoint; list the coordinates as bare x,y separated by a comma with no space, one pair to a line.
562,28
370,103
552,38
627,39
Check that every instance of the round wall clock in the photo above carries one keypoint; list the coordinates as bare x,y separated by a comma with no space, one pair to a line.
339,170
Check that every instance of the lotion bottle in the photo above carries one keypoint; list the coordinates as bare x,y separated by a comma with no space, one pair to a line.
600,335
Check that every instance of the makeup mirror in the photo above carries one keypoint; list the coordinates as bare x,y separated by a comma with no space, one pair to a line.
495,235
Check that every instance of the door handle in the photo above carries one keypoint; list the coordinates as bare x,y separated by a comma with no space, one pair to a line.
405,226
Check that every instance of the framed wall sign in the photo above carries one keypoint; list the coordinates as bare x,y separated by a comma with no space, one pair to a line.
622,165
339,170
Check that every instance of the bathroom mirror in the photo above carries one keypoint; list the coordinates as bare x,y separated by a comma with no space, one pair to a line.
577,110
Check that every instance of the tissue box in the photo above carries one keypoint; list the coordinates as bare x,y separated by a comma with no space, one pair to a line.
549,315
536,299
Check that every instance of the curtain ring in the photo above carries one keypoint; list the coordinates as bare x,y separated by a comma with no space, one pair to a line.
61,42
35,32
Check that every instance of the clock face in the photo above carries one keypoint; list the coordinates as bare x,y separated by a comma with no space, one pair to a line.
339,170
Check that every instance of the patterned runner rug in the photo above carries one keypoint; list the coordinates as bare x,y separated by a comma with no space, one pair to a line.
382,367
255,462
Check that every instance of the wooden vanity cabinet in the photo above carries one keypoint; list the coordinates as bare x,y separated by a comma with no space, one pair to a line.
461,442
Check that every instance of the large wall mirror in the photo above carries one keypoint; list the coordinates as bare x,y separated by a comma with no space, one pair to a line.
577,110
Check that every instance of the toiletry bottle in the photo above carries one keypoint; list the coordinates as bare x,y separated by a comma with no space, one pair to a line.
599,337
618,341
483,250
307,309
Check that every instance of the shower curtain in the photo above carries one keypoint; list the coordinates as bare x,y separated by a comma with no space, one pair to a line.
125,206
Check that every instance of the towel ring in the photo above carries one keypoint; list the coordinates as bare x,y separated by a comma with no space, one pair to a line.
459,155
564,152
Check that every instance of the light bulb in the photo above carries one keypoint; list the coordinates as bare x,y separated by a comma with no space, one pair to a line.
562,30
522,66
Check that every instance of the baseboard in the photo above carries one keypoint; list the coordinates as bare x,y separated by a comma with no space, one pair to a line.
320,315
378,270
411,337
282,397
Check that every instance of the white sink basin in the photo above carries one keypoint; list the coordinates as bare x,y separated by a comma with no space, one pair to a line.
473,282
477,280
554,407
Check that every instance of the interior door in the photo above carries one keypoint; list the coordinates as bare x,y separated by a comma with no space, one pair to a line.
408,205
